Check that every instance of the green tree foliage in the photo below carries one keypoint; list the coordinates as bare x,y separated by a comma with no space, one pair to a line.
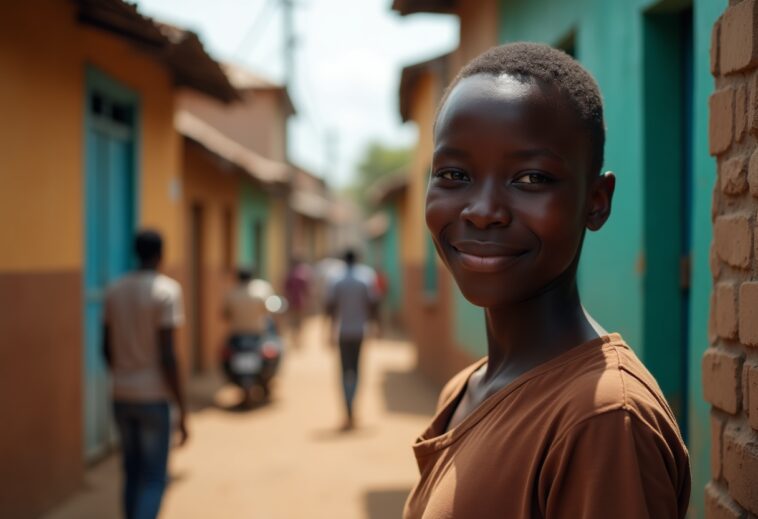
379,160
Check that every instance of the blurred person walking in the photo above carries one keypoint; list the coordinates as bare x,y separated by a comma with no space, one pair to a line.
297,287
142,310
351,304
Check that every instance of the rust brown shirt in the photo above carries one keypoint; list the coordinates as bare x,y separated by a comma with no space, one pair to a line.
587,435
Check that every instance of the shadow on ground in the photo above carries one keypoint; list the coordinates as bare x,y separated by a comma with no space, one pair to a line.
407,392
211,391
385,504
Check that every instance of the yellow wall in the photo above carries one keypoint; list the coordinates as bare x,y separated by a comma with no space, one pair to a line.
42,98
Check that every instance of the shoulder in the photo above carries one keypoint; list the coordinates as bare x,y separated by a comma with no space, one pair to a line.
119,285
612,380
166,287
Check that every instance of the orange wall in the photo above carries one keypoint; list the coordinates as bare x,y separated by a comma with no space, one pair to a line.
42,134
210,185
44,54
424,102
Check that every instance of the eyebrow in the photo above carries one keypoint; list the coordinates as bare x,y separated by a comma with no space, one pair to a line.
518,154
535,152
447,150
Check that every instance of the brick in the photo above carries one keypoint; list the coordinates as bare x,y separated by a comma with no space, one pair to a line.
718,505
752,109
733,176
717,430
722,377
738,41
748,313
713,336
715,262
726,310
740,113
752,173
741,465
721,122
733,237
715,36
751,403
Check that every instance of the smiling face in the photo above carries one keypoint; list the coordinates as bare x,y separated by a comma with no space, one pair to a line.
511,192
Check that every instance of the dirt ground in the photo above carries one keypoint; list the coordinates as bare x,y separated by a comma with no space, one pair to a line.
286,459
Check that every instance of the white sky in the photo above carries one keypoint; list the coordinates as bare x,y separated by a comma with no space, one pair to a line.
347,67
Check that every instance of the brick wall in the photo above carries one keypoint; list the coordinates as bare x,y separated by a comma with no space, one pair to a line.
730,365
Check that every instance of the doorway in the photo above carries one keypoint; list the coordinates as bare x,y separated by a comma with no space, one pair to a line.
197,285
668,141
110,222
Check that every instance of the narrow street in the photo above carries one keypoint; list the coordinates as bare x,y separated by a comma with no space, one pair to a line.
286,459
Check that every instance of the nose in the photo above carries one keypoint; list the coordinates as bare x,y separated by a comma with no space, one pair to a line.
487,208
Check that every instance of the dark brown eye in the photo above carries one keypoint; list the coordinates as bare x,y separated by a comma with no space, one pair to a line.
452,174
532,177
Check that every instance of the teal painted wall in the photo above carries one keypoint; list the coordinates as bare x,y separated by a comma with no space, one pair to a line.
383,253
391,261
615,40
254,211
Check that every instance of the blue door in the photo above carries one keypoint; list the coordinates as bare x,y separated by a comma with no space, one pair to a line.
109,227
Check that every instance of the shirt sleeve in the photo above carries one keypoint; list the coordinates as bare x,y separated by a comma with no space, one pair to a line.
613,465
171,308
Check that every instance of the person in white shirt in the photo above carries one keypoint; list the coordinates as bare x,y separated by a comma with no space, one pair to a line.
245,305
142,310
351,304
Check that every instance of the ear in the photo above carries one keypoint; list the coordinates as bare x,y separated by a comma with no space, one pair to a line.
601,196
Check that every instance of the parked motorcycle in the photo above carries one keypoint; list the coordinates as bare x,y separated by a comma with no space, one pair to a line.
251,361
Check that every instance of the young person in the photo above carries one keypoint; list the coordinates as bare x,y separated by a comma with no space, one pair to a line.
561,419
351,304
142,310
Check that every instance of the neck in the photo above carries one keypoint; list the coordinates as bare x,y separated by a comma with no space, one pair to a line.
527,333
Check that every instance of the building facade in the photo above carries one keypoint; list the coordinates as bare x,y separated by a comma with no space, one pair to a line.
89,154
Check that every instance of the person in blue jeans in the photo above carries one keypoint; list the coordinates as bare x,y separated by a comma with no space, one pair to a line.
142,310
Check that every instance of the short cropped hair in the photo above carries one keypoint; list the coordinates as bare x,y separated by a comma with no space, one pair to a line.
350,257
549,66
148,245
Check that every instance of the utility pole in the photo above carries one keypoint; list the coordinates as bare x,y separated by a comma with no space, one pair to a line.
288,33
331,143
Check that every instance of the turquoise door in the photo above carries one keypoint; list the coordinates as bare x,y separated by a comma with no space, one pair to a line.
109,227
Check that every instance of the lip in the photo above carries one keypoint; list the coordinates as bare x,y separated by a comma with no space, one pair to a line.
486,257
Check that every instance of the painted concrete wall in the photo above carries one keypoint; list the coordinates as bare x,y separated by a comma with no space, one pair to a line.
42,100
213,188
609,41
254,209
